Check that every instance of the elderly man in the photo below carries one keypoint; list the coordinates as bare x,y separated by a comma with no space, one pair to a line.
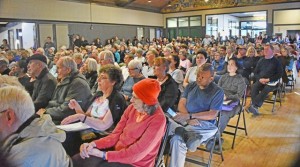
149,69
198,107
73,85
44,84
28,140
267,73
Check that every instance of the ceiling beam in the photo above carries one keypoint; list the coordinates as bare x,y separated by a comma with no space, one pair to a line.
122,3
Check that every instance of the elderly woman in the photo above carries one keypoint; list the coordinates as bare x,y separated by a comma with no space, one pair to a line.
176,74
135,75
89,70
190,76
169,88
137,137
106,107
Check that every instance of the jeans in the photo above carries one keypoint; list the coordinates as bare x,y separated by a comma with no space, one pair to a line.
225,117
178,146
259,93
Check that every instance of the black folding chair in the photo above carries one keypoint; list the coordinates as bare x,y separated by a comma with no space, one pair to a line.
212,151
159,162
236,126
278,90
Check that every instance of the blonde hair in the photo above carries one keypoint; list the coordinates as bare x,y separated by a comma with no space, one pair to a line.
17,99
6,80
249,49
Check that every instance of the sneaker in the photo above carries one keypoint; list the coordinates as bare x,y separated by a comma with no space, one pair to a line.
209,144
217,145
253,110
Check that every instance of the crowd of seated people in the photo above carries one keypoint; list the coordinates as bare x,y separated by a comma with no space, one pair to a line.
108,87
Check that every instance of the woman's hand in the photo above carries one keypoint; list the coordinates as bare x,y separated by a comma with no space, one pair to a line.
72,118
87,149
73,104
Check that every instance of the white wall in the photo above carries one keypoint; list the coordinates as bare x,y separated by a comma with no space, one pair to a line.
27,35
45,31
287,16
3,35
286,20
62,35
56,10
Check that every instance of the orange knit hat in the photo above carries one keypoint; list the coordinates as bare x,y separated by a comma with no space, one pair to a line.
147,90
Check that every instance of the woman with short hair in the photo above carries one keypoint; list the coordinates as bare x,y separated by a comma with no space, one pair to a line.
135,75
90,71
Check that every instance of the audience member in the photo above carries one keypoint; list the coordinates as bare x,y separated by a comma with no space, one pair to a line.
24,135
137,137
72,85
44,83
176,74
268,71
199,107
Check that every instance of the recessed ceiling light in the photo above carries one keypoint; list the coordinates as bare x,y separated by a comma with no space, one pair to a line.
149,1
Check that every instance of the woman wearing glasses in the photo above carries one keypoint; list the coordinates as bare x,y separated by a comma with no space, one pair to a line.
107,105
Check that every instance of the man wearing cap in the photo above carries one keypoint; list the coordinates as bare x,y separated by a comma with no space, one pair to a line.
198,107
44,84
72,85
267,73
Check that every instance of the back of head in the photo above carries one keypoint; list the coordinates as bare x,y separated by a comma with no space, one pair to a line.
18,100
6,80
108,55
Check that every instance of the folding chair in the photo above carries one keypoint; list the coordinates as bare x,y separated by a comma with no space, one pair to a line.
236,126
278,90
211,151
159,162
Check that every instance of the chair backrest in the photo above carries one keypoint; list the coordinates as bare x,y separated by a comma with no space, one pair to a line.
162,145
244,99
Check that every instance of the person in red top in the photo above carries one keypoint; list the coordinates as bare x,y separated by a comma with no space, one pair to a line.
136,139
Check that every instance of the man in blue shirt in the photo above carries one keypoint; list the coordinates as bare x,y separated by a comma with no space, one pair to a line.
198,107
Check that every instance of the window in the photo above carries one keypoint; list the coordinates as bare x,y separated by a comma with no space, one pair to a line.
183,22
195,21
171,22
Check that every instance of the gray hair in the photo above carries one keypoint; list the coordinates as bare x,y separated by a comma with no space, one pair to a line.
108,55
91,64
17,99
68,62
139,51
77,56
135,64
149,109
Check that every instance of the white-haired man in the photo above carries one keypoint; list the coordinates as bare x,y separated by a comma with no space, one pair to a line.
28,140
73,85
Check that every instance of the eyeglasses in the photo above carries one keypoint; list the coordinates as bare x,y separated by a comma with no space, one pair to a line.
102,77
3,111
